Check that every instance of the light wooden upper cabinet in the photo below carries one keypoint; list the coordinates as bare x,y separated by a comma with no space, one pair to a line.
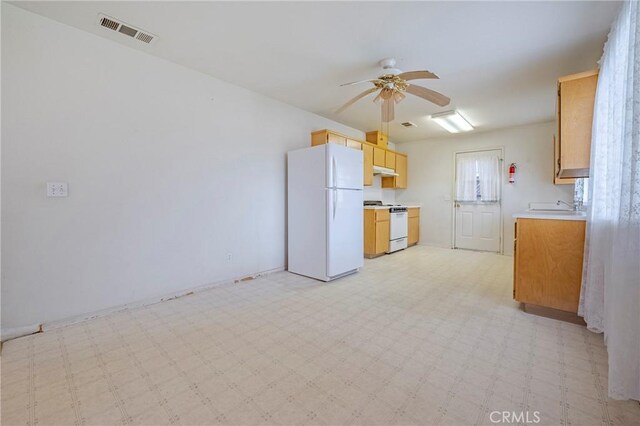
322,137
354,144
400,181
576,96
372,155
390,160
379,157
401,170
556,167
378,138
367,152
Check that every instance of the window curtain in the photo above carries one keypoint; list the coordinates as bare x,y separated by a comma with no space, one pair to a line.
466,174
478,178
610,294
489,173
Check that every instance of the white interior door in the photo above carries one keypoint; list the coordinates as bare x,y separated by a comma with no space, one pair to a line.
478,210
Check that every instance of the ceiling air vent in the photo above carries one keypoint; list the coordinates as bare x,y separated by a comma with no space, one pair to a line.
106,22
409,124
126,29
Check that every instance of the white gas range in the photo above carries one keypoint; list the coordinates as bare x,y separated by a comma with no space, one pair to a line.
398,224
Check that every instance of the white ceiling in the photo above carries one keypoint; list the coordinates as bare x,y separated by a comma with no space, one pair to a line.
498,61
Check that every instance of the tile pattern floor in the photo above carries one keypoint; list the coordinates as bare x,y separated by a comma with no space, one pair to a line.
425,336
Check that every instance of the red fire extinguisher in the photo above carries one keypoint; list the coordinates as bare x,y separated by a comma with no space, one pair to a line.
512,173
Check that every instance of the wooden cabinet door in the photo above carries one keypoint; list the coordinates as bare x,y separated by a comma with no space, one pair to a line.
354,144
556,167
379,157
333,138
413,234
390,160
367,153
548,262
577,97
378,138
382,236
401,170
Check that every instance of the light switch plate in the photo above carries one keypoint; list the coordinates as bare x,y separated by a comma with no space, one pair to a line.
57,189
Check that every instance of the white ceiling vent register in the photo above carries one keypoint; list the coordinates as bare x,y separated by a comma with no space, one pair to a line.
125,29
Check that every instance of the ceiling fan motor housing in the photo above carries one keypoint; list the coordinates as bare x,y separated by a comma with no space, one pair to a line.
389,66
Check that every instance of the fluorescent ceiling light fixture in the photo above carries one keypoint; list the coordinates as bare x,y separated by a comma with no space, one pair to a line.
452,121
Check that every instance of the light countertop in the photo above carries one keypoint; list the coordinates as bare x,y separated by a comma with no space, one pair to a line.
554,215
409,206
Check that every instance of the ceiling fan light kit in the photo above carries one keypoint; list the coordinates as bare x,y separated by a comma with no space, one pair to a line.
452,121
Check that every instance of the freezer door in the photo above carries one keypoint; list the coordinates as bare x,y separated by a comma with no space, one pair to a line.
344,167
344,231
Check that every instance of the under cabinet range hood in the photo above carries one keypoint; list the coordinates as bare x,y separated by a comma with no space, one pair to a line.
383,171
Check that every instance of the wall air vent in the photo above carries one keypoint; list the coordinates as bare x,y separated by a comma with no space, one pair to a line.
409,124
125,29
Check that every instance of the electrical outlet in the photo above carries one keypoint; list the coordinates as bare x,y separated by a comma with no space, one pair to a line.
229,257
57,189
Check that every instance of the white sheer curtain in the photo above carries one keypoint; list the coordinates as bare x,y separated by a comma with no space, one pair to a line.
610,295
466,175
478,177
489,174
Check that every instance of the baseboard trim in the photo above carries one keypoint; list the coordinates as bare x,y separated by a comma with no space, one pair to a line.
552,313
16,332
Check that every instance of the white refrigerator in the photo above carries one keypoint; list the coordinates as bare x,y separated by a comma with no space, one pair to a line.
324,211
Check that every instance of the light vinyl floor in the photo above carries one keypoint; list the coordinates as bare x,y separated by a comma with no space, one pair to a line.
426,336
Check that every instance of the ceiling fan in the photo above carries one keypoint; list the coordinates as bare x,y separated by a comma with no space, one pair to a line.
392,85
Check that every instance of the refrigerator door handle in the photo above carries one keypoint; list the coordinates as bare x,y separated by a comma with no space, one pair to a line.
335,202
333,165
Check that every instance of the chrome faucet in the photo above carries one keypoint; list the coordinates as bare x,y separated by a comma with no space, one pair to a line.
575,207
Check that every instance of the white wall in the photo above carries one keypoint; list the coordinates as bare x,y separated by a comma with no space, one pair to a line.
376,192
168,170
431,177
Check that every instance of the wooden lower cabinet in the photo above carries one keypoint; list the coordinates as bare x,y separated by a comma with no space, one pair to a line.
548,262
413,226
376,232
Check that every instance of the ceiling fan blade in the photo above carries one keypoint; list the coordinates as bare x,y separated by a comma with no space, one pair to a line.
415,75
361,81
354,100
428,94
398,96
388,113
